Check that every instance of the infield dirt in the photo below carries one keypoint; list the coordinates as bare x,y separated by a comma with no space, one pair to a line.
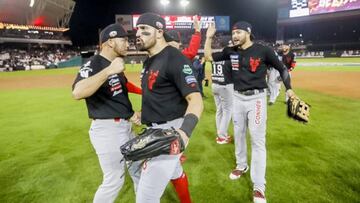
343,84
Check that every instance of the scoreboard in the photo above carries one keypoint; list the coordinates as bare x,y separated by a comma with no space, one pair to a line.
185,22
298,8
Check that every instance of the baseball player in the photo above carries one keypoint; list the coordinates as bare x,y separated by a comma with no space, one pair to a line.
288,58
274,83
173,38
223,90
249,63
170,98
103,85
199,72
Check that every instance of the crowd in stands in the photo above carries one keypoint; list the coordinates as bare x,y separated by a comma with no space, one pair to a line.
31,32
27,59
20,58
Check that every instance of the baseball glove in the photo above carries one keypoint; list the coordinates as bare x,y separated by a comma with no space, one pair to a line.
298,109
151,143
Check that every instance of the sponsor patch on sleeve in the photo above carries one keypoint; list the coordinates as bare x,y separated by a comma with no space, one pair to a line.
191,81
234,58
187,70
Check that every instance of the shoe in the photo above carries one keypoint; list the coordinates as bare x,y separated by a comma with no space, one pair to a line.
259,196
237,173
221,140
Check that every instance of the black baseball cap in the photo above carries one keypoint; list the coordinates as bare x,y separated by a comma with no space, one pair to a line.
152,19
173,35
243,25
112,31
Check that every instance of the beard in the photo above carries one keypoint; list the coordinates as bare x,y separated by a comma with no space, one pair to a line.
239,42
142,46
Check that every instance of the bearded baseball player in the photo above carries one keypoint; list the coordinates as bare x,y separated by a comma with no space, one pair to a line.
170,99
288,58
102,83
223,90
249,63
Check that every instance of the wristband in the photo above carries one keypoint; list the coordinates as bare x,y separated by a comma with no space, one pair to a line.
190,121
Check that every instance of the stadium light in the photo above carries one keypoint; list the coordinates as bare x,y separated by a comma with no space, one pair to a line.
184,4
164,2
32,3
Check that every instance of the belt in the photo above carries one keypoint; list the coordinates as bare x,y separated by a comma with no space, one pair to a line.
115,119
251,92
155,123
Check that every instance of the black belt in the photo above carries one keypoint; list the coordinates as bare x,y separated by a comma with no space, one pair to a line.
155,123
251,92
115,119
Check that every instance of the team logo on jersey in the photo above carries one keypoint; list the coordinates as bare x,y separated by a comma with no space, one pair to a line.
187,69
254,64
85,70
152,78
234,58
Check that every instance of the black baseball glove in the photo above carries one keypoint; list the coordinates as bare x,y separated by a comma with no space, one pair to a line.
153,142
298,109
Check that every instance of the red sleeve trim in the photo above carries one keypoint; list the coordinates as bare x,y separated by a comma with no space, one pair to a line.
132,88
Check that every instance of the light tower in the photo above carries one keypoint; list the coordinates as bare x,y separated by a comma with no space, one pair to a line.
184,4
164,3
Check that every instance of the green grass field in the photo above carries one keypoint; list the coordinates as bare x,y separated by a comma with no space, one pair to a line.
46,156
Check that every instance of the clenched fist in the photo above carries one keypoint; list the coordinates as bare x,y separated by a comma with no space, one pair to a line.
116,66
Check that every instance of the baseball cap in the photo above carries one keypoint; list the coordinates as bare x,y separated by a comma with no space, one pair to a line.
243,25
152,19
172,35
112,31
224,41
